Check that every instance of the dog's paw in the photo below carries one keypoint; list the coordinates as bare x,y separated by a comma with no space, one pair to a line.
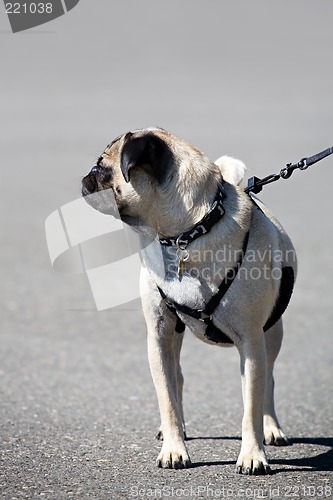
253,463
173,457
274,435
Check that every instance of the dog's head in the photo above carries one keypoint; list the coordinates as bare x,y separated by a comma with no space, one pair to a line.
149,176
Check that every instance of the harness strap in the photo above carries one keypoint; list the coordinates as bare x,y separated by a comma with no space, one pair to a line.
227,281
205,315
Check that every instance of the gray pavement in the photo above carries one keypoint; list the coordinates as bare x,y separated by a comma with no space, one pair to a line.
78,411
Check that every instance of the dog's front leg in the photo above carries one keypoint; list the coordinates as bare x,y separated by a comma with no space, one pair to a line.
163,369
177,344
252,458
164,346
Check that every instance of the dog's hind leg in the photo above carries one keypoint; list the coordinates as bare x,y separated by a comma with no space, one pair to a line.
272,430
252,458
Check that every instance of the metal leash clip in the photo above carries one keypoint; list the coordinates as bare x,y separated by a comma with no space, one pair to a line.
255,184
303,164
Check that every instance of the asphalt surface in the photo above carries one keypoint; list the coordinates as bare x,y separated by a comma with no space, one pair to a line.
78,412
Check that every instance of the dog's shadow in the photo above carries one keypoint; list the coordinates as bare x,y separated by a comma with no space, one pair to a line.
322,462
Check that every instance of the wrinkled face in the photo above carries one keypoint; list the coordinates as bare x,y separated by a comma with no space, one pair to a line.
129,173
152,179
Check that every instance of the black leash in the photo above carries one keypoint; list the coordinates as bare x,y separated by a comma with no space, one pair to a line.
255,184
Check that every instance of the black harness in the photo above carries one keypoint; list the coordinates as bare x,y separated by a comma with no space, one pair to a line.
205,315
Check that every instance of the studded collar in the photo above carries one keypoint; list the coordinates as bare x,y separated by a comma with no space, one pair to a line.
214,214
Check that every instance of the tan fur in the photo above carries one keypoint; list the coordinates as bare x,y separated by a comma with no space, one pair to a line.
173,207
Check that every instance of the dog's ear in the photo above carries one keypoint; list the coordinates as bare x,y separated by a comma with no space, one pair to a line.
147,151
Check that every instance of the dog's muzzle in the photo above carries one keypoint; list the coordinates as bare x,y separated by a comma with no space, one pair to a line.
96,180
97,192
89,184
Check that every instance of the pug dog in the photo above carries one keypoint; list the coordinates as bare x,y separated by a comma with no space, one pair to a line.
215,260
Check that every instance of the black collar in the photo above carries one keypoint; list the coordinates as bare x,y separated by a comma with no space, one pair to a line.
214,214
